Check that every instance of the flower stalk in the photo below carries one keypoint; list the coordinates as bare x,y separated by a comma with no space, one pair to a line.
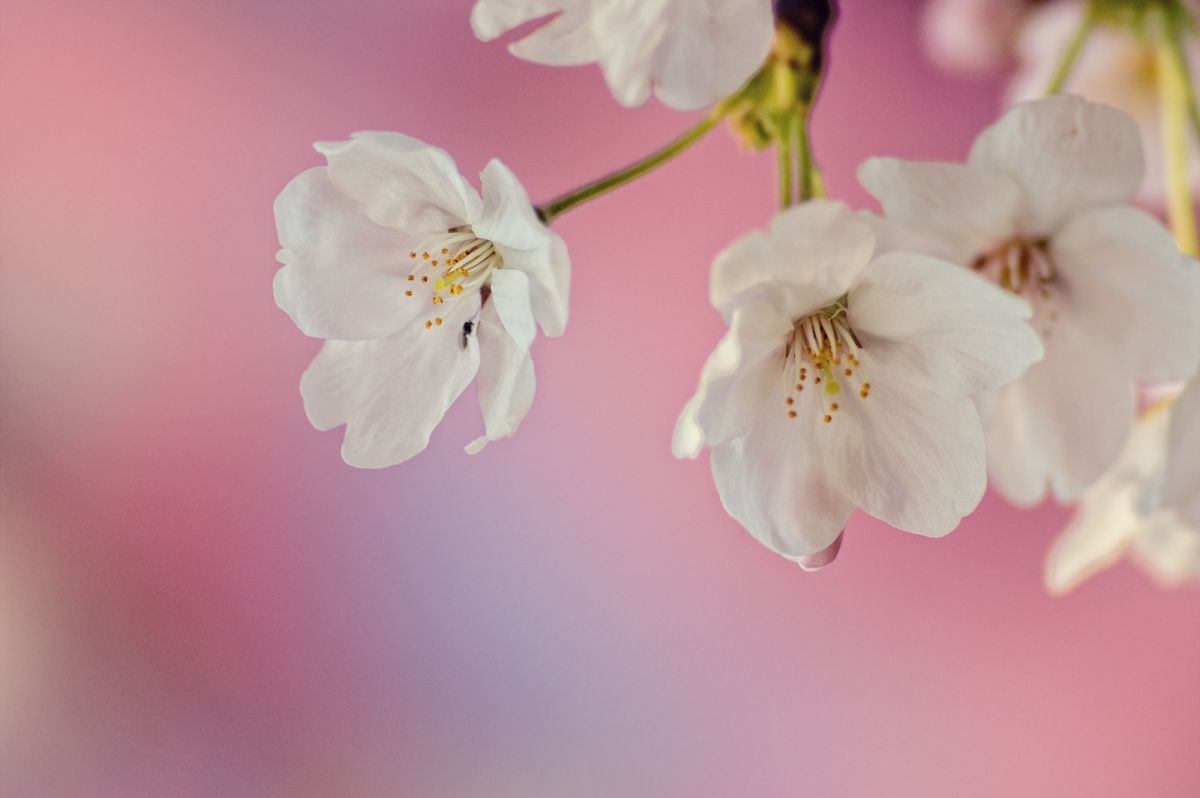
1066,64
795,70
556,207
1178,104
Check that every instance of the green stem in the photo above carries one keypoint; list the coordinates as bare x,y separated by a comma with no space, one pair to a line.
1176,100
808,166
560,205
1071,54
1183,69
787,168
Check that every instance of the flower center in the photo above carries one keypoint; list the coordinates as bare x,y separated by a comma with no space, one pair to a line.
449,265
822,352
1024,267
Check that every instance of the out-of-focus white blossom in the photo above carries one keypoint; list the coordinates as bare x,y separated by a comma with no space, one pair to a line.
971,35
1042,207
1147,506
691,53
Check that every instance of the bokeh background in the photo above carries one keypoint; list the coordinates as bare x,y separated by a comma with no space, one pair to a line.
197,598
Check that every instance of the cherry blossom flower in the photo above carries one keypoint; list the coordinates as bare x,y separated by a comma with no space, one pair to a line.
1117,67
1041,207
846,380
1146,506
420,285
691,53
971,35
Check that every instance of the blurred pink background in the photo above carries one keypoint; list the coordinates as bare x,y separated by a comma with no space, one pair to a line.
197,598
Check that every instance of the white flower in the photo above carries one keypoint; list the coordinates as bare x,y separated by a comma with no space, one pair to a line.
421,285
1129,509
971,35
692,53
1116,67
846,381
1042,208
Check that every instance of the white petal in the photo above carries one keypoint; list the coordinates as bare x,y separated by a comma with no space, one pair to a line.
510,296
1140,297
628,34
343,275
402,182
527,245
1169,549
1067,155
811,256
506,379
773,482
565,40
1096,538
815,562
938,323
968,210
1064,422
695,51
1181,481
737,382
391,392
712,47
507,218
740,271
891,237
1109,517
903,454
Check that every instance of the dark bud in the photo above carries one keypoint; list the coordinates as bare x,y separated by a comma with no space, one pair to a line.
809,20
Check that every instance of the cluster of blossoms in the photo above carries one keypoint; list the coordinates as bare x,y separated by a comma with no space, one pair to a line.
998,317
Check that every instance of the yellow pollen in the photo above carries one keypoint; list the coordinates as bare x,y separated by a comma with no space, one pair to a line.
428,325
438,321
437,300
445,251
425,256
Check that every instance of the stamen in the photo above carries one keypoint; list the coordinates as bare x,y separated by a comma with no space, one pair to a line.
824,340
1024,267
458,261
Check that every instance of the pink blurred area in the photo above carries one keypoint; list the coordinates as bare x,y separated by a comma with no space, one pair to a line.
197,598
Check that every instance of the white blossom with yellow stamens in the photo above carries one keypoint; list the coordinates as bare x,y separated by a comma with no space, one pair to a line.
1042,208
409,325
847,380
